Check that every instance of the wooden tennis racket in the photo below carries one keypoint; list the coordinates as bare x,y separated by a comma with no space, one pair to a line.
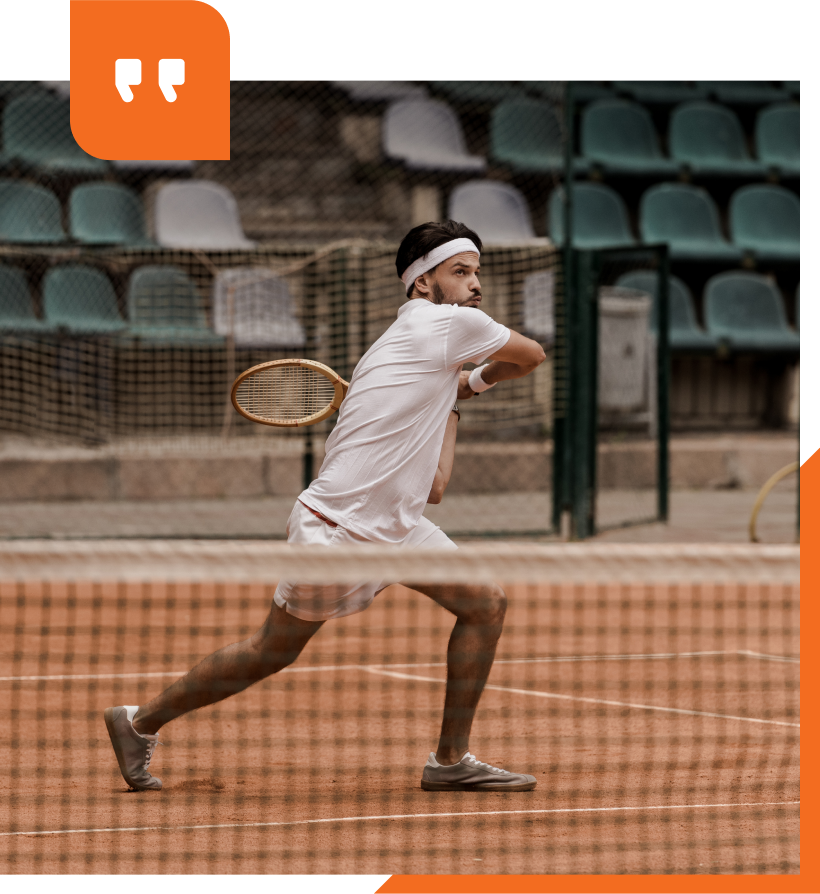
288,393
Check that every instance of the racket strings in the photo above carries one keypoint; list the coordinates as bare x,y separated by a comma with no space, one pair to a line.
285,393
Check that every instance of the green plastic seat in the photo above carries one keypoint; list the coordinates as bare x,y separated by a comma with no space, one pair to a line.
744,93
684,332
37,132
746,312
686,219
619,135
659,92
477,91
793,87
526,135
16,307
82,300
9,89
777,136
600,218
106,213
709,139
29,213
765,219
165,308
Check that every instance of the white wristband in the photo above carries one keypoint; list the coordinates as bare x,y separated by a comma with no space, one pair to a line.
475,381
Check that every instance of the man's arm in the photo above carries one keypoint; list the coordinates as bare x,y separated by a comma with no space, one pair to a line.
445,460
518,358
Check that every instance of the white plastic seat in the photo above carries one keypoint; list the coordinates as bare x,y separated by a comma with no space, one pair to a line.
426,135
380,91
198,214
497,211
263,313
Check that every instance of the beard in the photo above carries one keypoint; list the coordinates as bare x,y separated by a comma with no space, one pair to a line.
441,298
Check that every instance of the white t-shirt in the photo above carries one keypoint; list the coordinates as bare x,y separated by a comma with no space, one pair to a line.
381,457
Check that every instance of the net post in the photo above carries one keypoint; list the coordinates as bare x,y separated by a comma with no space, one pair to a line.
664,377
584,394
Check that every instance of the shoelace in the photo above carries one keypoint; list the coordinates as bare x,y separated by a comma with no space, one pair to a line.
152,741
477,763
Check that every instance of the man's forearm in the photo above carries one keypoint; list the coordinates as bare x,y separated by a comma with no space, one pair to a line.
502,370
445,461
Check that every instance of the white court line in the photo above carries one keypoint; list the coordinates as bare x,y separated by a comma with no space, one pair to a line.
579,698
766,657
404,816
339,667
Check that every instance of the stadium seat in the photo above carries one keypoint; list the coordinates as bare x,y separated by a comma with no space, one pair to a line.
425,135
165,308
582,91
684,332
380,91
686,218
599,220
82,300
16,307
526,134
477,91
793,87
659,92
497,211
753,93
619,135
263,313
171,166
198,214
709,139
765,219
106,213
746,312
37,132
11,89
29,213
777,137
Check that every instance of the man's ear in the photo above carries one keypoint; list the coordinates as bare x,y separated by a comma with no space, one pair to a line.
423,284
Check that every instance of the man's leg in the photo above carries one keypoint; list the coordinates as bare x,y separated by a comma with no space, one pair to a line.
479,612
230,670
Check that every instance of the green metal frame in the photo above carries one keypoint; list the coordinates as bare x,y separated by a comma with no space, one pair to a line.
575,434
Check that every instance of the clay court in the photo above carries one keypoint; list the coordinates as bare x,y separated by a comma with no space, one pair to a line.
661,722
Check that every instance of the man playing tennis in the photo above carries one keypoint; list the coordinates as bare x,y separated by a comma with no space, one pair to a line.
390,453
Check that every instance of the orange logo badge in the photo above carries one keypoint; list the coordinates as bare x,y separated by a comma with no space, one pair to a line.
150,79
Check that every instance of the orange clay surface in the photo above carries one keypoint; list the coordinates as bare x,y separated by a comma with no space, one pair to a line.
317,769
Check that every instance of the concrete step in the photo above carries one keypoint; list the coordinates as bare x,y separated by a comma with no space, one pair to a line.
202,468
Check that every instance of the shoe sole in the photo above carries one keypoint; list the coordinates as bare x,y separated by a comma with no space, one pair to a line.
108,714
476,787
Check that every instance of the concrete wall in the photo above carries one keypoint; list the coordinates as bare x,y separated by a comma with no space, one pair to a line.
481,468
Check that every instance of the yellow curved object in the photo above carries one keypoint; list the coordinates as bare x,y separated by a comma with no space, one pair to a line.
764,492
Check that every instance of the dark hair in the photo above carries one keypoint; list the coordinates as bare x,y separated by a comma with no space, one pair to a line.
424,238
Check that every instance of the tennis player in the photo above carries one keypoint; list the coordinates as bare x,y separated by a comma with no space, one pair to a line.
390,452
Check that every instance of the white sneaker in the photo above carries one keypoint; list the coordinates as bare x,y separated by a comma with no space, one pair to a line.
134,751
472,775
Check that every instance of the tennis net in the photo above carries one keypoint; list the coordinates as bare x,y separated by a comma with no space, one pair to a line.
651,690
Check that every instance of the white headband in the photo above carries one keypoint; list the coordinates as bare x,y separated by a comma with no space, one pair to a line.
434,258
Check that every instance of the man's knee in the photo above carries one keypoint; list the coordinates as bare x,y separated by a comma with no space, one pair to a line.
489,607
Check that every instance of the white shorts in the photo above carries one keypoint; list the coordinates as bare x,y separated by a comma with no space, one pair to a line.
318,602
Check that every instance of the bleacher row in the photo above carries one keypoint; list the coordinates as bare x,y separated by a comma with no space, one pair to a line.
164,307
617,135
764,219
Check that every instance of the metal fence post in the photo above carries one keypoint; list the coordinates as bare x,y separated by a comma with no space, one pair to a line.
664,378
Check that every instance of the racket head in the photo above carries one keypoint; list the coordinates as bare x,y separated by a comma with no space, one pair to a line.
288,393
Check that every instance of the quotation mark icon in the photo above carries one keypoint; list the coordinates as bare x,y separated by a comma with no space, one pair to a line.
128,74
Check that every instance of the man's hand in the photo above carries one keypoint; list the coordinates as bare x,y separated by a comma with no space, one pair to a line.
464,390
